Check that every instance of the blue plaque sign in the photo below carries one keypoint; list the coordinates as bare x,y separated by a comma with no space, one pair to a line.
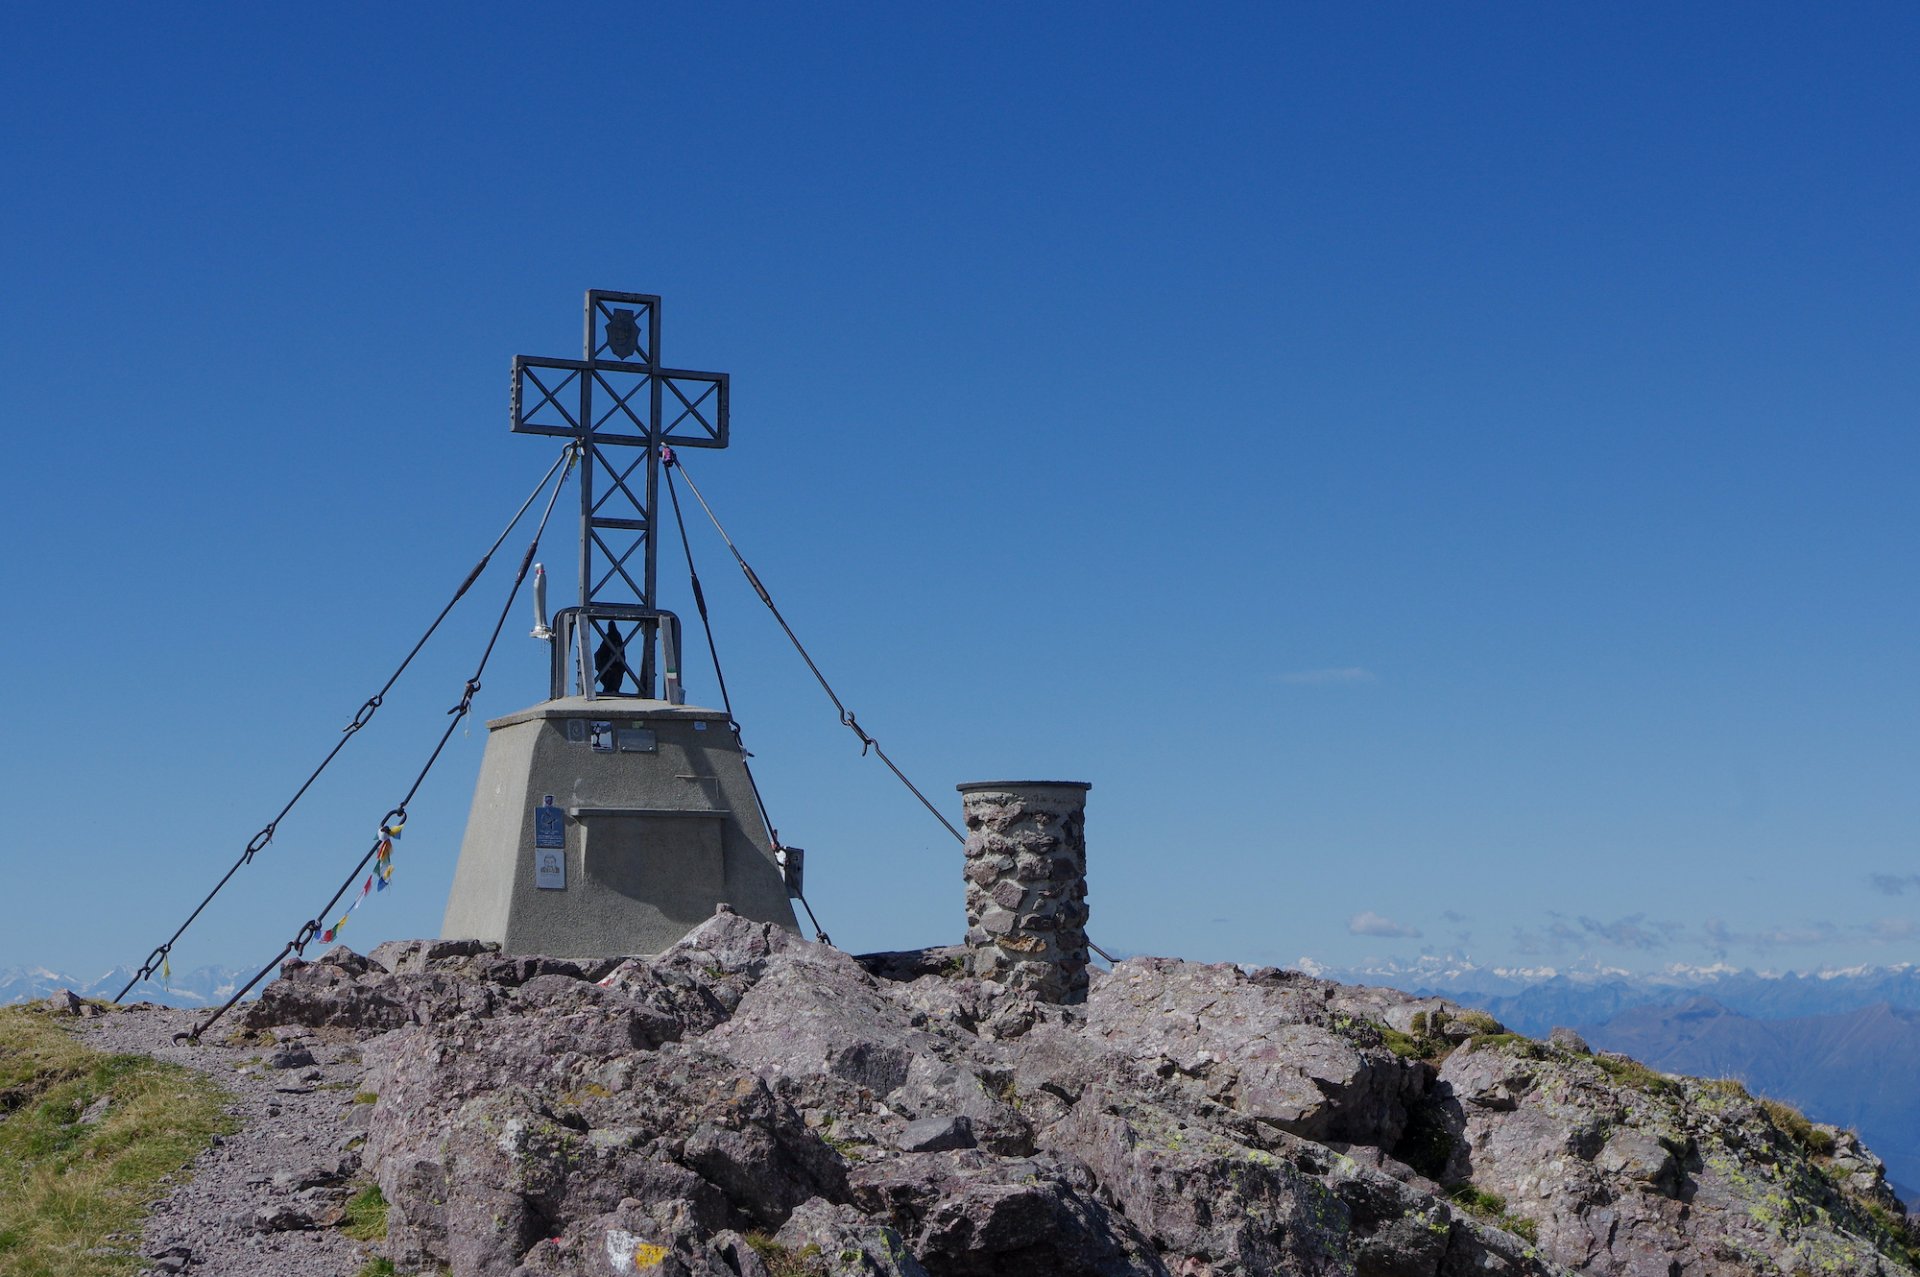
549,826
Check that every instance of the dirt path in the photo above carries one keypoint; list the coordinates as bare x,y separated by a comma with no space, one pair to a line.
268,1200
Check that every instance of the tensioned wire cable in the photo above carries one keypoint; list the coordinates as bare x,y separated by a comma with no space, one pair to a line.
726,701
846,715
158,959
396,819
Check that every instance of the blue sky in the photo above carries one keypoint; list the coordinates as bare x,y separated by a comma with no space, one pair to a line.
1444,474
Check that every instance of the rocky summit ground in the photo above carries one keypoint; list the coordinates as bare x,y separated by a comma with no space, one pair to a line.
750,1105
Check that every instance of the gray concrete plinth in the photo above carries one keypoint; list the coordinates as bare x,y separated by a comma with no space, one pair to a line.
644,838
1026,874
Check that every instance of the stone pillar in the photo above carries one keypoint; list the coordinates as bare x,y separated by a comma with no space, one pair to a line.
1027,885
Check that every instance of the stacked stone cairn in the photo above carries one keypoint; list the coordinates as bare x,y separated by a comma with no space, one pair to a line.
1027,885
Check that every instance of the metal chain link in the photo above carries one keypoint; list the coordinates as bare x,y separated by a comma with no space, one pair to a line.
397,816
361,718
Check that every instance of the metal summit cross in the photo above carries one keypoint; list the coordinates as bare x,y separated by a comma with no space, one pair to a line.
606,820
622,406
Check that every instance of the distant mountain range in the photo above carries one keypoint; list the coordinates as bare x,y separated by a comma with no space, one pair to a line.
1532,1000
203,987
1840,1045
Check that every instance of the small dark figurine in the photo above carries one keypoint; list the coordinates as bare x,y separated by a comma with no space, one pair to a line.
610,662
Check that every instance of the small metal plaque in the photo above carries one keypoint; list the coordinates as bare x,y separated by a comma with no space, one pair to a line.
699,725
600,736
549,826
549,869
577,731
635,740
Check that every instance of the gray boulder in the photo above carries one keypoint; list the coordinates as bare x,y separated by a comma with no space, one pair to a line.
846,1242
970,1214
937,1135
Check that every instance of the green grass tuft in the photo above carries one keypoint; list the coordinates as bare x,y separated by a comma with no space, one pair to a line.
1897,1237
1492,1208
72,1193
782,1262
1479,1202
366,1219
1511,1044
1411,1046
1813,1141
1635,1075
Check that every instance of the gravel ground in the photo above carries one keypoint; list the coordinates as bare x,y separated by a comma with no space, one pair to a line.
266,1201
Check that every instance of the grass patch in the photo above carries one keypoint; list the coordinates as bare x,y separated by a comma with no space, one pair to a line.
851,1150
67,1188
378,1268
1635,1075
365,1097
366,1219
1416,1045
1898,1241
1511,1044
1492,1208
1410,1046
782,1262
1421,1041
1794,1124
1479,1202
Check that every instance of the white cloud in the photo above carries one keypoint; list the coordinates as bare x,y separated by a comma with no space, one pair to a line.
1369,923
1718,937
1561,934
1346,675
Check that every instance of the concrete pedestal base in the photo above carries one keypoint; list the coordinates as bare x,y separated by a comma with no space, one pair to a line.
652,824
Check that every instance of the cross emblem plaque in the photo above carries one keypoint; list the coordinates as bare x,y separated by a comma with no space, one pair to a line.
621,405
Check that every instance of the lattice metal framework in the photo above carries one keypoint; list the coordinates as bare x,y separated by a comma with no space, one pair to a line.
621,404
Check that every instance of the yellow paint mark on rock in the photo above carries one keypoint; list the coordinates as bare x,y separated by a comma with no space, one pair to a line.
628,1254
